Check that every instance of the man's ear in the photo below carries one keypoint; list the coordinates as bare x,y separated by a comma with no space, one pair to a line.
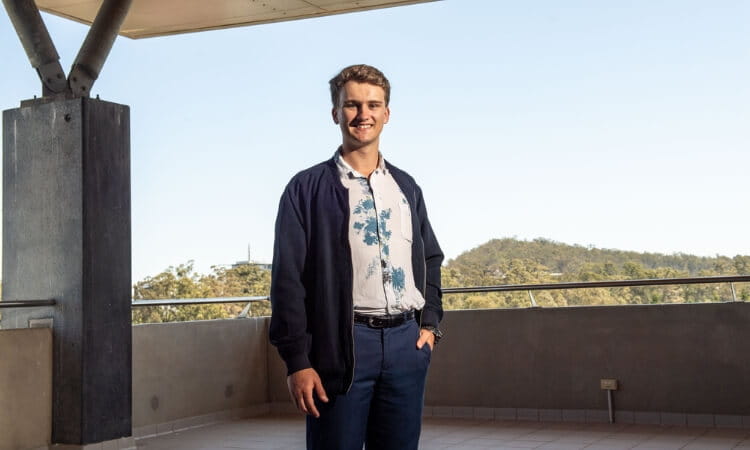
335,115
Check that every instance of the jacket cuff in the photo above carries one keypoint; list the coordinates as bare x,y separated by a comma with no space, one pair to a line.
295,363
429,318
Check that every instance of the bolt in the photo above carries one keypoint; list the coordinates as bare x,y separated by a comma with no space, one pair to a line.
67,117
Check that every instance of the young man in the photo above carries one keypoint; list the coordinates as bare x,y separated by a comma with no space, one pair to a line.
355,286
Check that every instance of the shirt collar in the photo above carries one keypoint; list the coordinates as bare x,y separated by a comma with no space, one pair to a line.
345,170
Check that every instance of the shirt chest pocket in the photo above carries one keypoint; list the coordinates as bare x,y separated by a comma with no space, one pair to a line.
406,228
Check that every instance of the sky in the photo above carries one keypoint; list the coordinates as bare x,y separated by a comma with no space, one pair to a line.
610,124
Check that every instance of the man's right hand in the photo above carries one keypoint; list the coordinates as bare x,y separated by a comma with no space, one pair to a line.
301,385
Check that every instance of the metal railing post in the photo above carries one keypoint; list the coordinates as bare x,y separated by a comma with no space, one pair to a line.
531,297
245,311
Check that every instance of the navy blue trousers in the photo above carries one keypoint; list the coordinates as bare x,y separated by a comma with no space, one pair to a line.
383,408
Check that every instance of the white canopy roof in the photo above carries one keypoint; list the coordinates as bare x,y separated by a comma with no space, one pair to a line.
149,18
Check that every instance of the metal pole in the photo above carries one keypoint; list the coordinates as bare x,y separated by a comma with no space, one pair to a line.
609,404
598,284
196,301
245,311
95,49
531,297
26,303
38,44
734,293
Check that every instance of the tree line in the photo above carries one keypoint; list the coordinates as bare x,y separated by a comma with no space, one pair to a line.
497,262
182,281
513,261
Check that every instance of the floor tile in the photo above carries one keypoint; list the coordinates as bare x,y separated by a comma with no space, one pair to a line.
288,432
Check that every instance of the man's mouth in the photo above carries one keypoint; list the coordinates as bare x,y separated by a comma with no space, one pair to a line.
364,126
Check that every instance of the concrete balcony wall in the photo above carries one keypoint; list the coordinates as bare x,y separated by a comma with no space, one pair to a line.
25,388
186,371
669,359
687,359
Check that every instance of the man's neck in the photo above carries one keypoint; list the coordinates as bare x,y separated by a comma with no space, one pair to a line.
364,160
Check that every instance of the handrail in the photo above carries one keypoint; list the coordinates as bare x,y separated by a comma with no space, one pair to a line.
454,290
196,301
598,284
26,303
475,289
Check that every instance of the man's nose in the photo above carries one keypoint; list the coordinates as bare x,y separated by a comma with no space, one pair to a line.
363,112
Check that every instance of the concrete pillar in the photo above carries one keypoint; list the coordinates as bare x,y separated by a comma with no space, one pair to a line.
66,235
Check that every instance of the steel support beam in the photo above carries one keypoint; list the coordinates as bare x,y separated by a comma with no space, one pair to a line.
38,44
43,56
95,49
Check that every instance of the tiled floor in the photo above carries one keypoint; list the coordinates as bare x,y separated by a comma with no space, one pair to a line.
287,432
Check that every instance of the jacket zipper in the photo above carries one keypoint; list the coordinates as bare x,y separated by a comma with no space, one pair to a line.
343,191
424,277
424,290
424,271
351,277
354,360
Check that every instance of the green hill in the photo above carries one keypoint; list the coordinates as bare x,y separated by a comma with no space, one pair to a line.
513,261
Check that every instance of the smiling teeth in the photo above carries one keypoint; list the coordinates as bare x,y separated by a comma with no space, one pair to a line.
363,126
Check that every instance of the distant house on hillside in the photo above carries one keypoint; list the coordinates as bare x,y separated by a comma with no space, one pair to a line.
250,262
260,265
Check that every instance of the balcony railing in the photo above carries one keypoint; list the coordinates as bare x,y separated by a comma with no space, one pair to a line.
197,301
26,303
731,280
500,288
602,284
599,284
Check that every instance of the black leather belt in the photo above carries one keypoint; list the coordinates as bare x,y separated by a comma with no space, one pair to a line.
383,321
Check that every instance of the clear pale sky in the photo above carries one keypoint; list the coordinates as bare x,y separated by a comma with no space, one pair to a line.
615,124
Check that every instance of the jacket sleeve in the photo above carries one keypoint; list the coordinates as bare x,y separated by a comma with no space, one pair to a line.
288,328
432,313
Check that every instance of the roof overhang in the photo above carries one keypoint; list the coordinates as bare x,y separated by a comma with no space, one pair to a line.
150,18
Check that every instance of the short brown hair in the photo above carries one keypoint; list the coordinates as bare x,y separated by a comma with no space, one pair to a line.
361,73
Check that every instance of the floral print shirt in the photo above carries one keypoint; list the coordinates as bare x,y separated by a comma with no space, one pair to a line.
380,235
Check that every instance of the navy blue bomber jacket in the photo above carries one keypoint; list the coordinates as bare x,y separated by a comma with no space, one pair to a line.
311,281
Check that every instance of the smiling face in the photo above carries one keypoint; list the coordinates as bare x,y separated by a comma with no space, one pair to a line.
361,113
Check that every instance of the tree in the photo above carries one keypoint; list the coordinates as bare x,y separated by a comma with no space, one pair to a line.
183,282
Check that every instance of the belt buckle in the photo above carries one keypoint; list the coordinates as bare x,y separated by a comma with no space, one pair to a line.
371,322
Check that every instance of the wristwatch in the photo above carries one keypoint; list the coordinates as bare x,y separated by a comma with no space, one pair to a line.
434,330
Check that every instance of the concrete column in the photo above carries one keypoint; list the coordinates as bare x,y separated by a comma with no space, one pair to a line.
66,235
